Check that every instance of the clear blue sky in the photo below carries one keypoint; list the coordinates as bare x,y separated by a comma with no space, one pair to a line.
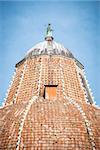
76,25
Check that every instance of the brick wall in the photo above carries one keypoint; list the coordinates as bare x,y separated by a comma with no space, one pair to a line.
28,121
50,74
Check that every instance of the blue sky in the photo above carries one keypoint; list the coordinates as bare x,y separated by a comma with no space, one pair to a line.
76,25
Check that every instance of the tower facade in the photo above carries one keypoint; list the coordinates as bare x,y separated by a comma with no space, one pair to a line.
49,105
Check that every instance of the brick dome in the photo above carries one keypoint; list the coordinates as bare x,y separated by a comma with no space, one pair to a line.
49,106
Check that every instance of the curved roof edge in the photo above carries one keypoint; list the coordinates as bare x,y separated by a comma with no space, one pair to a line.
49,47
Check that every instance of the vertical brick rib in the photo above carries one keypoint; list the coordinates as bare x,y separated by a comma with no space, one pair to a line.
10,86
20,82
24,115
27,109
40,77
89,90
79,71
87,122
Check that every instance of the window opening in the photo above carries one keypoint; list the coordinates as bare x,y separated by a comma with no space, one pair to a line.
50,92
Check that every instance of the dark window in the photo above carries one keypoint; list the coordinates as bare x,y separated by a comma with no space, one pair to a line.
50,92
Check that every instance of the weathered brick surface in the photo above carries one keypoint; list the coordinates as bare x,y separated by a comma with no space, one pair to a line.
50,75
15,85
9,125
93,114
45,124
54,126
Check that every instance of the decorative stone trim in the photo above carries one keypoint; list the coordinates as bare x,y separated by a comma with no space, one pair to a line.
82,72
80,81
90,91
87,122
20,82
24,115
62,78
81,84
10,85
25,112
40,77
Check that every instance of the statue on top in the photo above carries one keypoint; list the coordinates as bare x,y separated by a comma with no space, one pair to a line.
49,31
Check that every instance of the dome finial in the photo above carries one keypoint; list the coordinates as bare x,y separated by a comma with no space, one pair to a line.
49,33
